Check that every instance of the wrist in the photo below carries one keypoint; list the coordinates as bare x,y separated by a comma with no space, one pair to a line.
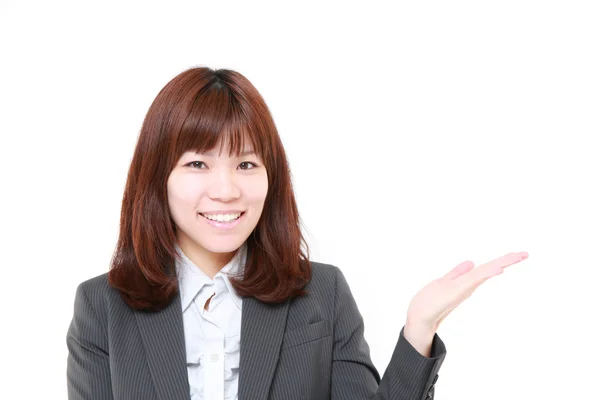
420,336
420,326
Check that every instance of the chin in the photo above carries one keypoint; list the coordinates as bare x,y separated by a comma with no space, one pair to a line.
223,247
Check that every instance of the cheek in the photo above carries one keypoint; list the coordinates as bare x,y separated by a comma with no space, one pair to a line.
183,192
257,190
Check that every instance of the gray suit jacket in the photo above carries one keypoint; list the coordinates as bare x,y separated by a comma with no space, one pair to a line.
310,347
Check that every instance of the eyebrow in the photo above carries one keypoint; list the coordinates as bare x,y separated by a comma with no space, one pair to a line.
247,152
242,154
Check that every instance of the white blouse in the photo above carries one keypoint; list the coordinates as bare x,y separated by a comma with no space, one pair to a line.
212,337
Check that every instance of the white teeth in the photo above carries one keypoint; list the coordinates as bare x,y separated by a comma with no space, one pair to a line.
222,217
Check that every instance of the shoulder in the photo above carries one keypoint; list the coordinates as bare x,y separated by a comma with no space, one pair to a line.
95,289
327,296
324,277
95,296
322,289
95,284
329,281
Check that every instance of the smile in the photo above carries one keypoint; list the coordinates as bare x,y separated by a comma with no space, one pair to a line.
223,221
222,217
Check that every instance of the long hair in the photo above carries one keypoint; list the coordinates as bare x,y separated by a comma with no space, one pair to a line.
200,109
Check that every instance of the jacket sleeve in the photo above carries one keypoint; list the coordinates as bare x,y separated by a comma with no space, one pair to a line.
409,375
88,368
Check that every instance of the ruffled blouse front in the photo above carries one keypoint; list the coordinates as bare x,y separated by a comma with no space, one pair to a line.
212,336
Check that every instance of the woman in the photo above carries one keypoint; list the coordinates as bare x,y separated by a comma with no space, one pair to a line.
211,294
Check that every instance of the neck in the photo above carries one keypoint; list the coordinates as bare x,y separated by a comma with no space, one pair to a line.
208,262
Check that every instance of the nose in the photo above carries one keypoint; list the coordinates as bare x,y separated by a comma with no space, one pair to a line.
223,187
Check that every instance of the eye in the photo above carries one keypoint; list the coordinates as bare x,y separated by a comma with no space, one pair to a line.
196,164
246,164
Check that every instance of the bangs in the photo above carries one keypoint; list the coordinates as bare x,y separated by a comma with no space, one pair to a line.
216,120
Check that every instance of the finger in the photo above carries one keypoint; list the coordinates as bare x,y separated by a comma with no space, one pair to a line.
492,268
460,269
479,280
505,261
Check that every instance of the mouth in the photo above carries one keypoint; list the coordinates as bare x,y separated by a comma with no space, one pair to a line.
223,218
223,222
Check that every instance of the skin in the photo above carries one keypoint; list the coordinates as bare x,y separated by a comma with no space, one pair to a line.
435,301
211,182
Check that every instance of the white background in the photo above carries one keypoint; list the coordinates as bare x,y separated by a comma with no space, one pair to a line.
420,135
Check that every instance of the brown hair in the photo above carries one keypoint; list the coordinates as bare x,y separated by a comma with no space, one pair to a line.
197,110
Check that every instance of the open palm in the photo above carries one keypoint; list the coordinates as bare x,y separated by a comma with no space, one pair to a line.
437,299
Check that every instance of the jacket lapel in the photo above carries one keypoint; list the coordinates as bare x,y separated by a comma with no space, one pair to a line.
164,341
262,331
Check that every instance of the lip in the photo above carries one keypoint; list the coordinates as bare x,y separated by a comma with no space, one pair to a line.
223,212
223,225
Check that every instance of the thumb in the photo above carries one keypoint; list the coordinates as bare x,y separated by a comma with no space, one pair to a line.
460,269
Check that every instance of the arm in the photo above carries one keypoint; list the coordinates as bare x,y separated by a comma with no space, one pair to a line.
88,368
409,375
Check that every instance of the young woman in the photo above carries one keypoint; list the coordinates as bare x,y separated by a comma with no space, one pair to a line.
211,294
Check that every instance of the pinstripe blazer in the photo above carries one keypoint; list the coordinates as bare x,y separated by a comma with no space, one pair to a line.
310,347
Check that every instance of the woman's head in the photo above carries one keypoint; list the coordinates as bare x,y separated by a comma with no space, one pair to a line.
208,145
223,141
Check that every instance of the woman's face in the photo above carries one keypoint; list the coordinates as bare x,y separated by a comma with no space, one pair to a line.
216,200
